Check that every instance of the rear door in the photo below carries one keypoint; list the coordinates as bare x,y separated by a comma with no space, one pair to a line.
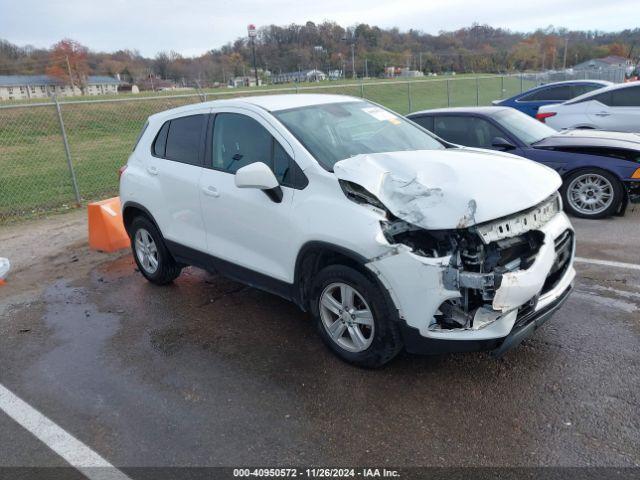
617,110
176,164
245,228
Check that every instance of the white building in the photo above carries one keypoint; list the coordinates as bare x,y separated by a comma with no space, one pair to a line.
25,87
299,76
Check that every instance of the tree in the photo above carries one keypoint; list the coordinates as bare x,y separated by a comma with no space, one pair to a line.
68,62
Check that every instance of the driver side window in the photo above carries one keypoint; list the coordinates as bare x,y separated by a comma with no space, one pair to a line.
239,140
467,131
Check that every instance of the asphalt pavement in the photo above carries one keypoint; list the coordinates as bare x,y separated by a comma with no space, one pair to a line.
207,372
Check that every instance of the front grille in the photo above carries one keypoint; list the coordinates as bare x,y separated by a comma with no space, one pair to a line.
564,250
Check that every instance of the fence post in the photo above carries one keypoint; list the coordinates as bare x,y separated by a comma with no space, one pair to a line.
409,96
296,87
477,92
67,151
448,94
501,87
361,89
521,89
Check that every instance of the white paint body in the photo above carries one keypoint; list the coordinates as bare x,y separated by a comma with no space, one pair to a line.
203,209
588,111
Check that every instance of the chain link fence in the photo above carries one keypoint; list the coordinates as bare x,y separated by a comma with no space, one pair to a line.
57,155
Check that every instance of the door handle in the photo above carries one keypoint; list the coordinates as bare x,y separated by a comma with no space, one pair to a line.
603,114
152,170
211,191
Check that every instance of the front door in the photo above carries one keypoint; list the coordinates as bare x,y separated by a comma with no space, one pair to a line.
245,226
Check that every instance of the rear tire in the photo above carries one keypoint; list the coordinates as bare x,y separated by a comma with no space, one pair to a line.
353,318
150,252
592,193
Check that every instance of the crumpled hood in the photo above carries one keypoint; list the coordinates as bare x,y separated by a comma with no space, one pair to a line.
453,188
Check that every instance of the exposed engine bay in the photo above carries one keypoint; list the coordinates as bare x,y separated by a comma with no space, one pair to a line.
480,255
475,268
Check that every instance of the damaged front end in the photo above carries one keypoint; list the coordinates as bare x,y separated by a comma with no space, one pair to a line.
460,260
479,259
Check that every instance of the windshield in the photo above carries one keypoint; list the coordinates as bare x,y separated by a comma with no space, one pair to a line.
336,131
523,126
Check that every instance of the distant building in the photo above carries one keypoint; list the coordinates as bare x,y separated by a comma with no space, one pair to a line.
612,61
299,76
244,81
406,73
24,87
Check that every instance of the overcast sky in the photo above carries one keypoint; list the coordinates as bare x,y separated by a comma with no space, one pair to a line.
196,26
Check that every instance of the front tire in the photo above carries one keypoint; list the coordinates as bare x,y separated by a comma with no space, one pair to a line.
353,318
150,253
592,193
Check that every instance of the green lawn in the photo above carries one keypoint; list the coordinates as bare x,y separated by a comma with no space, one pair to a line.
35,176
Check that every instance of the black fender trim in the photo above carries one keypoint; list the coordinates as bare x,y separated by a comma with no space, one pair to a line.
362,261
137,206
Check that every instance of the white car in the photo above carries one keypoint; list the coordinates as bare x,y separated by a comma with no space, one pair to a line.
387,235
615,108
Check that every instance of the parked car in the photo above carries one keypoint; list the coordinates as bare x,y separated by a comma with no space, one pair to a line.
600,170
615,108
384,233
530,101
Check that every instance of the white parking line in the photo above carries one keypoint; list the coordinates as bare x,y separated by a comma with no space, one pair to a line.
76,453
608,263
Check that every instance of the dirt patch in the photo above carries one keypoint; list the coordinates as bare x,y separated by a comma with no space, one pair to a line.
44,250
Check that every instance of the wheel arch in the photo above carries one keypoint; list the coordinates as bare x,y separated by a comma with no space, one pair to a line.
131,210
314,256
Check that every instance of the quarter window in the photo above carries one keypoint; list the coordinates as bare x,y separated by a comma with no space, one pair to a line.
160,142
239,140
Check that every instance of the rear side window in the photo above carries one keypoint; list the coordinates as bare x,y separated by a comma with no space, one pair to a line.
604,98
425,122
184,139
582,89
626,97
552,93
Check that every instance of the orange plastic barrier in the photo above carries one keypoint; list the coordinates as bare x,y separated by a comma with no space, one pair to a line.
106,229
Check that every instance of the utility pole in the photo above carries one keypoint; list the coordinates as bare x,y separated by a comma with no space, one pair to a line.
564,60
251,30
353,59
366,68
73,88
420,57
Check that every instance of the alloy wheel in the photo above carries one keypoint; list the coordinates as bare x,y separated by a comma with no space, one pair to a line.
146,251
346,317
590,193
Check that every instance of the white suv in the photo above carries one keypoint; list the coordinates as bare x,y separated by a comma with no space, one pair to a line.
387,235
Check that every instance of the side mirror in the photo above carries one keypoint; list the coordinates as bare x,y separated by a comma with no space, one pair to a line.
258,175
502,144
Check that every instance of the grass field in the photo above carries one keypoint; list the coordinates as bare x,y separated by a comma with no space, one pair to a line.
35,176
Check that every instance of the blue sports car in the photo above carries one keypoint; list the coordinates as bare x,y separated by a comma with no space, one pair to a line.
528,102
600,170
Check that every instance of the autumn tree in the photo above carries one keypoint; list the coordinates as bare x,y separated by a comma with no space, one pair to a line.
68,63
